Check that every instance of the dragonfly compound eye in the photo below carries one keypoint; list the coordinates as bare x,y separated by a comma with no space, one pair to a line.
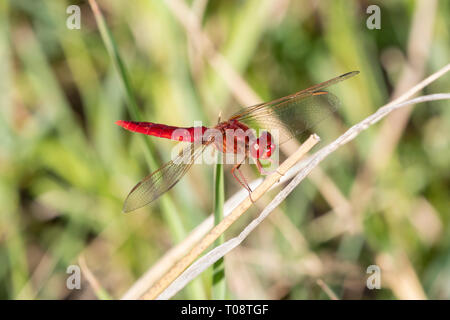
263,147
266,145
269,150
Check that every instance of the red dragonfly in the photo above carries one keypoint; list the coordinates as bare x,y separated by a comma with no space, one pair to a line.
292,115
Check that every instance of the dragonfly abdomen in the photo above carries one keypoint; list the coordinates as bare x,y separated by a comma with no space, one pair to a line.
164,131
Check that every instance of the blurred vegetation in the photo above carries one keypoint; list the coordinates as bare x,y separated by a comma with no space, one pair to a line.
65,168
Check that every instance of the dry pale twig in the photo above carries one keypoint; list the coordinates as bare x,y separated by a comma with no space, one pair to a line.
174,254
207,260
173,273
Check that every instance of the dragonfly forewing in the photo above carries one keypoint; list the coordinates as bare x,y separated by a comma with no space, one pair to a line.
295,114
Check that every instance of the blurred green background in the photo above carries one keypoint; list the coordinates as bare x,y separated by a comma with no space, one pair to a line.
66,168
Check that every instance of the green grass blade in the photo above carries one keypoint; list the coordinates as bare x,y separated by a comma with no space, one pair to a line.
219,284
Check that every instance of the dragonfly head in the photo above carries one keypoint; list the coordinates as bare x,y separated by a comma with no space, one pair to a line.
263,147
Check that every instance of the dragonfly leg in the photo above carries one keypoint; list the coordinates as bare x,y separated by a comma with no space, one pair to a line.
242,181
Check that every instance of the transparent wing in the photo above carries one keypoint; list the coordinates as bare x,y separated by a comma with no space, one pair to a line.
163,179
294,114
